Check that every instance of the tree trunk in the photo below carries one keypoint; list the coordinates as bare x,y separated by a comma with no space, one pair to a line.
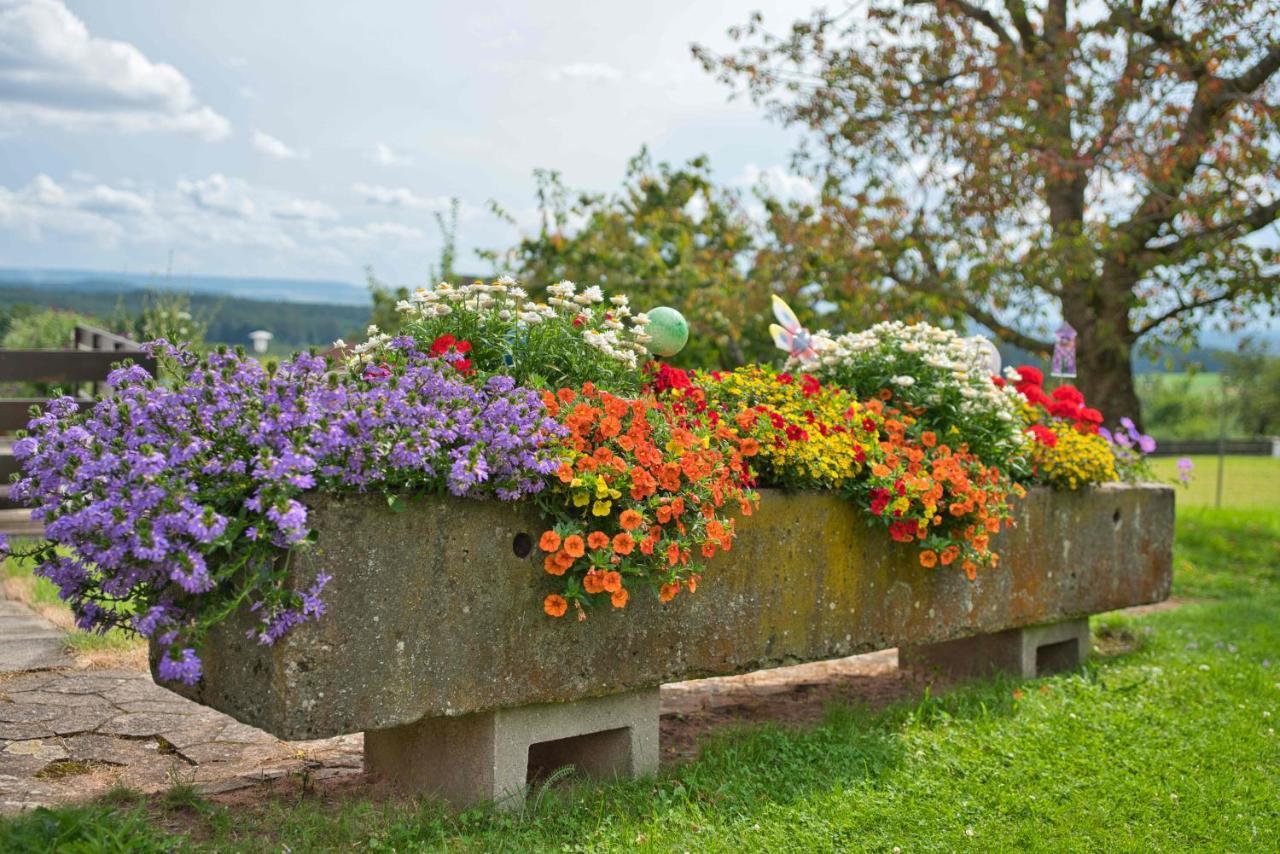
1104,367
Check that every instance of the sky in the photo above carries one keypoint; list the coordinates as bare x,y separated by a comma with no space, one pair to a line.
309,140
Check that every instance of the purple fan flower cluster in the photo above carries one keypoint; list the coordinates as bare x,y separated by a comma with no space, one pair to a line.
1130,447
166,507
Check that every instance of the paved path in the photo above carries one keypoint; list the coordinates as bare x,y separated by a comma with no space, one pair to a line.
28,641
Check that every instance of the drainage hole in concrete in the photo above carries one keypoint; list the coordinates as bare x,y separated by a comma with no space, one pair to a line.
1115,517
522,545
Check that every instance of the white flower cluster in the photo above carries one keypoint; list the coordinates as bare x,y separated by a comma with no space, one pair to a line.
963,364
603,327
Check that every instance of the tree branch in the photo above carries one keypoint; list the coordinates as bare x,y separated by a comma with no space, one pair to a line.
1018,12
1213,99
974,13
1182,308
1259,73
1259,217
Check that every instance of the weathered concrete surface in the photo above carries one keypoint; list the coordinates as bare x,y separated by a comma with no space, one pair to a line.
430,613
1027,652
492,756
28,642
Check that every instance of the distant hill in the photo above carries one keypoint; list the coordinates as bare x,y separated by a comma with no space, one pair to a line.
295,325
286,290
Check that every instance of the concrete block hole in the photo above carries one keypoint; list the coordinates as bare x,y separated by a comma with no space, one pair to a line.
1057,657
597,754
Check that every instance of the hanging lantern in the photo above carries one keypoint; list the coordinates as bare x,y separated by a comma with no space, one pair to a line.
1064,352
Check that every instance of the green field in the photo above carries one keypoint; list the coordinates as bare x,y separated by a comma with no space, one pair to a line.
1165,743
1247,481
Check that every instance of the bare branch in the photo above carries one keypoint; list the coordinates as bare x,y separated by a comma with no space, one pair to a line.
1259,73
1183,308
1259,217
972,12
1018,12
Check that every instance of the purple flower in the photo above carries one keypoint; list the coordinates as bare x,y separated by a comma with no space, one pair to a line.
1146,444
1185,465
186,668
182,498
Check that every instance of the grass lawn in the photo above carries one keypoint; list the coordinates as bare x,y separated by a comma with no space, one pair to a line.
1166,743
1247,481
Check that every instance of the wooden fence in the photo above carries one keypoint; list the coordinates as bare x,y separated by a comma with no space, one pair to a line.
78,372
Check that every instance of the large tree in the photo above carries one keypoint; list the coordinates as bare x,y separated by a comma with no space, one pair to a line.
1114,161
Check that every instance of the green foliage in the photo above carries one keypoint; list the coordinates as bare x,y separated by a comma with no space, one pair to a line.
43,329
1254,377
671,236
168,315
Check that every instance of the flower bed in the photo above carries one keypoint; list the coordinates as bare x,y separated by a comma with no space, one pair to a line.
172,510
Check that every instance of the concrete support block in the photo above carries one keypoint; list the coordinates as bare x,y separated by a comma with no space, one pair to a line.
1026,652
494,756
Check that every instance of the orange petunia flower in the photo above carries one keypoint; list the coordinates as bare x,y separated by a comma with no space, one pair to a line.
970,569
667,592
619,598
598,540
552,565
564,559
593,582
555,605
928,438
949,554
550,541
623,543
611,582
630,520
574,546
928,558
566,395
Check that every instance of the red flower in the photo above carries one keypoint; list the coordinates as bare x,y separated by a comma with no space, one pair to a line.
999,382
1064,409
1069,393
1030,375
442,344
809,385
1034,394
1043,435
879,500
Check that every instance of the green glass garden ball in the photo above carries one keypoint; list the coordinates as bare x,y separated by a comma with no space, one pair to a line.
668,331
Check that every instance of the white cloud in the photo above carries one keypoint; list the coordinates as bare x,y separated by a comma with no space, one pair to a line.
376,231
52,71
269,145
398,197
587,71
220,195
110,200
304,209
385,155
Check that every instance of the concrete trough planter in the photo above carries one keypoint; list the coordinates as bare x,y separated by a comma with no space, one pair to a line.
435,645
